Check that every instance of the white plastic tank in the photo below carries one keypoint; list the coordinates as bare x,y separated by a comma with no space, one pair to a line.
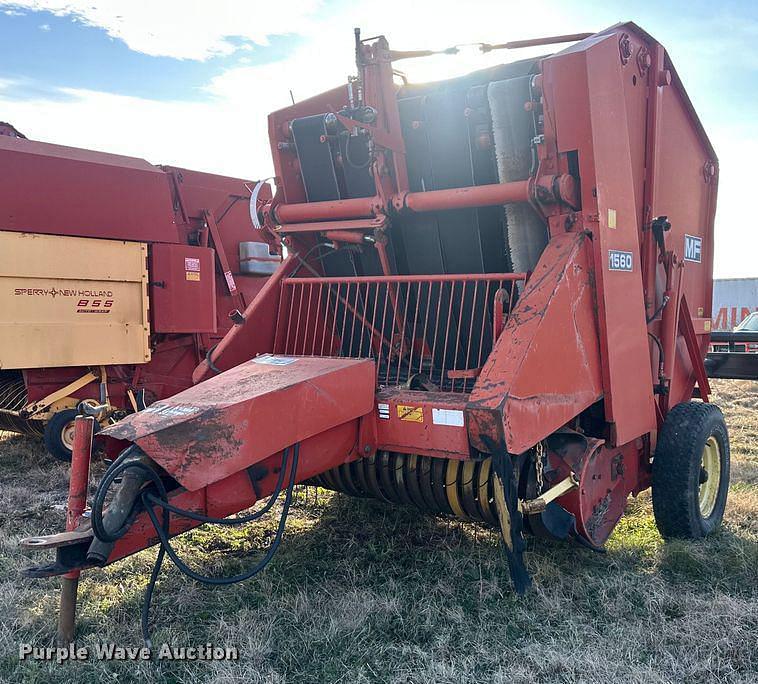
256,259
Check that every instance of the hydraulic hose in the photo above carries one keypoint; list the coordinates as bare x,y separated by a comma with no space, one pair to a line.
122,466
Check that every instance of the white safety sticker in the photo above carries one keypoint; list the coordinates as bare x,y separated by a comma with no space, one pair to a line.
384,411
270,360
230,282
191,264
167,410
447,417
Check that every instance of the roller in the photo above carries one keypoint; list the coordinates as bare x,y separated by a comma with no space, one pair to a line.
512,132
463,489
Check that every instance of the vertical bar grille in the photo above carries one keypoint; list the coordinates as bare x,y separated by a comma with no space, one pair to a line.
426,331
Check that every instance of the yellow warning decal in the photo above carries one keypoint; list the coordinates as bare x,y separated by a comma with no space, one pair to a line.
707,326
191,275
415,414
611,218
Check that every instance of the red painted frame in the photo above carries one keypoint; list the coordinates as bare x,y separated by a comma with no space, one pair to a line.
579,336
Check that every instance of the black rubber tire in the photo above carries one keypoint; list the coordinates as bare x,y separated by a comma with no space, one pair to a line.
676,470
53,434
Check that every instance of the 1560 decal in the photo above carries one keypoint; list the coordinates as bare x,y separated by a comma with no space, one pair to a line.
619,260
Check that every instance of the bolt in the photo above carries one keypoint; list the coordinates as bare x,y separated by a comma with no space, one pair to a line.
664,77
367,449
330,121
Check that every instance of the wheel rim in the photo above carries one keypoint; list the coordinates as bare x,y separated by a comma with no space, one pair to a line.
711,465
67,435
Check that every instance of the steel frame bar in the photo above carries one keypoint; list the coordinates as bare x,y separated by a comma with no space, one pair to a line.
436,200
77,502
440,278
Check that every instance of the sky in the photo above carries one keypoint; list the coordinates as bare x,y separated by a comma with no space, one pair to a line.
190,82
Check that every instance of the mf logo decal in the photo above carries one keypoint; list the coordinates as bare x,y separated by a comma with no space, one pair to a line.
693,248
618,260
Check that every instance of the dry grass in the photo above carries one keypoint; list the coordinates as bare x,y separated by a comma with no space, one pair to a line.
362,592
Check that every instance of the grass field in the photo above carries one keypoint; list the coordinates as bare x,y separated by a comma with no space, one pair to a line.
363,592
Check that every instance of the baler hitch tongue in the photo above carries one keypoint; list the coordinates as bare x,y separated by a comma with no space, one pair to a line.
112,524
136,469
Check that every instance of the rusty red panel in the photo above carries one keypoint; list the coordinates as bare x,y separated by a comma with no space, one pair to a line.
183,289
687,195
545,367
607,476
228,200
236,492
245,415
256,334
426,423
60,190
589,94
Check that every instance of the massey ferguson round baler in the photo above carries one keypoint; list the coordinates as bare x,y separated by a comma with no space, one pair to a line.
495,306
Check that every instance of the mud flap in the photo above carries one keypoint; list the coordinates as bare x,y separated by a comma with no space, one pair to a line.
509,516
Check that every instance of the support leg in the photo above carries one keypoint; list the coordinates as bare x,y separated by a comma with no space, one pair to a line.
67,610
77,502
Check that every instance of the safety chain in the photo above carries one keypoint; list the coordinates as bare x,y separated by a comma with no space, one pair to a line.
539,455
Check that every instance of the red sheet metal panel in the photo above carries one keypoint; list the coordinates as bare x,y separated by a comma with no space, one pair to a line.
227,199
245,415
236,493
545,367
685,191
425,423
623,331
67,191
182,289
586,85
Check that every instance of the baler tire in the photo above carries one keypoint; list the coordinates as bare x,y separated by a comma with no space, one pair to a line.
53,434
689,432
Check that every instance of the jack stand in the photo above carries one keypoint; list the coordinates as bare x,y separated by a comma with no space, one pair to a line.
67,610
77,502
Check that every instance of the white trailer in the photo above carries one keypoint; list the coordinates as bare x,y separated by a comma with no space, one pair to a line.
733,300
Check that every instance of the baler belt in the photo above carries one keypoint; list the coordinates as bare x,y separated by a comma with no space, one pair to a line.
356,167
316,161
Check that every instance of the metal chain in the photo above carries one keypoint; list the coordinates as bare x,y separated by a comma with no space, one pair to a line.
539,454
